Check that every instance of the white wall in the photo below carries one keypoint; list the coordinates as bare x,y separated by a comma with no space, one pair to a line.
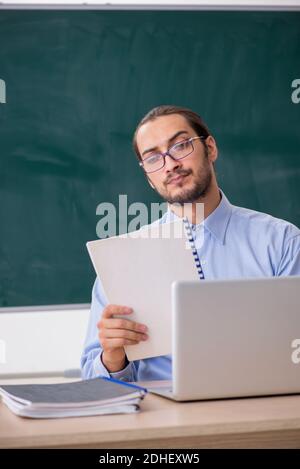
42,342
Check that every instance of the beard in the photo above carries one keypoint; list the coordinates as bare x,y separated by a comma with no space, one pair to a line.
199,188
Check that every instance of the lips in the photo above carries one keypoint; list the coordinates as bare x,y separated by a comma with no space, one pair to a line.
177,179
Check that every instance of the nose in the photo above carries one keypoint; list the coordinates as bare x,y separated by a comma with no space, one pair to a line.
171,163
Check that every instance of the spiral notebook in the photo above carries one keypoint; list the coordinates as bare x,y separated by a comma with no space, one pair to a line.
137,270
98,396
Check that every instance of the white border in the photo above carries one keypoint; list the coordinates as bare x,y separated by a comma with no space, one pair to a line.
248,5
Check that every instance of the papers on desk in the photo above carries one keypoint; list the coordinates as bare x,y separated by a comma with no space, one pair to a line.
137,270
97,396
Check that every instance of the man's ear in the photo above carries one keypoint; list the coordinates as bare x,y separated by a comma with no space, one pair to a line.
212,148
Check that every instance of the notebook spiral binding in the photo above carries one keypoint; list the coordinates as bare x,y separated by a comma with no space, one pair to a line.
189,233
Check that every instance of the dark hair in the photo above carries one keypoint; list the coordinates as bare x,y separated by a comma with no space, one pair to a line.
192,118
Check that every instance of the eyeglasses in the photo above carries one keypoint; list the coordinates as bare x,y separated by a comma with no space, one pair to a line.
178,151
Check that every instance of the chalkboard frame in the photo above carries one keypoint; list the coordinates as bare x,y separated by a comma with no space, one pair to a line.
236,7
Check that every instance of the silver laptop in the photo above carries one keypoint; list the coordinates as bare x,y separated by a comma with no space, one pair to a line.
234,338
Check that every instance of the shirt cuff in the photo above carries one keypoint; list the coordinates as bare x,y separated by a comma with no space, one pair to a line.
99,368
123,375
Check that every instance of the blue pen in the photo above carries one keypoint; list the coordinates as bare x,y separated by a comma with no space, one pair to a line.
124,383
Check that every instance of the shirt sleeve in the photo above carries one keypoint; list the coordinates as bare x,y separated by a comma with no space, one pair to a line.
91,363
290,261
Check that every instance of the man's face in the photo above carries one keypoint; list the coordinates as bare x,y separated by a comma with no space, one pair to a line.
180,181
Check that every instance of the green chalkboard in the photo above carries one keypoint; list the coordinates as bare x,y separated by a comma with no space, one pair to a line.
77,83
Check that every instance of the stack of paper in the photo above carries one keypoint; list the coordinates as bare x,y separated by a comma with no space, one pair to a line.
81,398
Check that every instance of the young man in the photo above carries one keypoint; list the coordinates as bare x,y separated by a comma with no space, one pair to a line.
177,153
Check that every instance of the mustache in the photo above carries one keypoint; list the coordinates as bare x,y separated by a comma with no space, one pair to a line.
179,172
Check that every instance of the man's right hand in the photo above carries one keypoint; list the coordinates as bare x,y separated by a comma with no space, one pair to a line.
114,333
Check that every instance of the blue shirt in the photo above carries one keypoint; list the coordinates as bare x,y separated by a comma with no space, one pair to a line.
237,243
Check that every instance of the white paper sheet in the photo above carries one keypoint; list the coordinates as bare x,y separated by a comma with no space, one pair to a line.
137,270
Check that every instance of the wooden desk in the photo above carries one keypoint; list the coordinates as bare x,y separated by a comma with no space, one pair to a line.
248,423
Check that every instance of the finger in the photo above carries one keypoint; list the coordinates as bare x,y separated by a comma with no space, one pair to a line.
122,334
110,310
110,344
117,323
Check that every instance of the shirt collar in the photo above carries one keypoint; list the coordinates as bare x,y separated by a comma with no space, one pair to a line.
216,223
